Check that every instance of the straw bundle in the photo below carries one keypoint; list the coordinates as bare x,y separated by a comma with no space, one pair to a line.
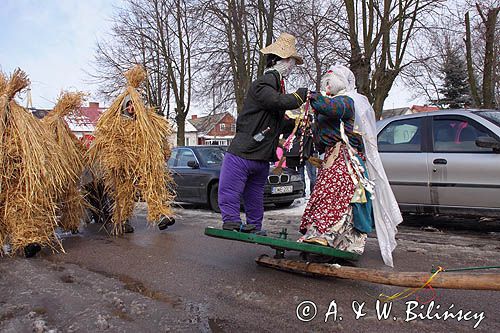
31,174
130,153
71,201
3,85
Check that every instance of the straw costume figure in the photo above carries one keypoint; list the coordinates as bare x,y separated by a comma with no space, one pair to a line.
32,174
129,151
71,201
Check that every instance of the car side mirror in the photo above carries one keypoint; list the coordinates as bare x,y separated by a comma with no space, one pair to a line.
488,142
193,164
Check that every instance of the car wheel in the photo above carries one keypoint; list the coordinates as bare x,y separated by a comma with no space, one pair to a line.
213,199
283,204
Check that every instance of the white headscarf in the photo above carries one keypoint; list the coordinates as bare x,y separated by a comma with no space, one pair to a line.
385,208
334,84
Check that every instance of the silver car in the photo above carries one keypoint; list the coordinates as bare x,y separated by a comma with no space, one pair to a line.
444,162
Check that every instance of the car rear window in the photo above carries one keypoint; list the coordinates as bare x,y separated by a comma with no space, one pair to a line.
493,116
212,156
401,136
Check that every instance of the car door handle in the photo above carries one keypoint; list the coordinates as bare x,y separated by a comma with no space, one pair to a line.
440,161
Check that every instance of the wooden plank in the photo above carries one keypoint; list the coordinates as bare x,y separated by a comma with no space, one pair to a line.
280,243
486,281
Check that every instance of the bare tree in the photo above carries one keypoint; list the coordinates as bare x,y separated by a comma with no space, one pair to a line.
460,23
490,22
497,73
173,28
380,33
116,54
237,30
465,20
160,35
320,39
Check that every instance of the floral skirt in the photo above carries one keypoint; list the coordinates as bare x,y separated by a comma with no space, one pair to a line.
328,217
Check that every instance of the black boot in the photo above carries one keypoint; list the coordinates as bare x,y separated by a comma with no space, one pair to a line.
165,222
31,250
127,228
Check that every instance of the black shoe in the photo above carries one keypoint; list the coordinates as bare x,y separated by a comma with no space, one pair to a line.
127,228
237,226
231,226
31,250
259,232
165,222
248,228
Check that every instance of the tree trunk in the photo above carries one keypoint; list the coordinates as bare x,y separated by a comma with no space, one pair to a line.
181,125
240,72
266,17
378,102
489,60
476,100
382,81
356,61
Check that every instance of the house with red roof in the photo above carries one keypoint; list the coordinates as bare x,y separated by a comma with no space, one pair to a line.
83,124
215,129
423,108
388,113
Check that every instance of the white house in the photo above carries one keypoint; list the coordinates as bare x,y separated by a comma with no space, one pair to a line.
190,134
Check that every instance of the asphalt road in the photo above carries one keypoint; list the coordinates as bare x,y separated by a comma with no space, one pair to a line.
179,280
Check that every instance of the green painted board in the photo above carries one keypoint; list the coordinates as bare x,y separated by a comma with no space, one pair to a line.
280,243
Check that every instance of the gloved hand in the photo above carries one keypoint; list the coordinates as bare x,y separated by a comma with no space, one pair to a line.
302,92
313,95
301,95
315,161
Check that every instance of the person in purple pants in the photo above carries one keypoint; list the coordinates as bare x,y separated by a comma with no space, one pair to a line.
246,164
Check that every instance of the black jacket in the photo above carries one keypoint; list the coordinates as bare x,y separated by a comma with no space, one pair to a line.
264,107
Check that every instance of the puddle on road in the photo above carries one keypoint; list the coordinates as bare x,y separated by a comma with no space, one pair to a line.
67,278
215,325
138,287
152,240
197,311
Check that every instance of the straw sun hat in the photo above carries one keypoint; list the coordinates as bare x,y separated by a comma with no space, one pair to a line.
284,47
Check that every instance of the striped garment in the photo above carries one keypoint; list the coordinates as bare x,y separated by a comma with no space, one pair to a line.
329,111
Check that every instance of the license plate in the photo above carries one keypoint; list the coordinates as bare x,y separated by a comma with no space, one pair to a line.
282,189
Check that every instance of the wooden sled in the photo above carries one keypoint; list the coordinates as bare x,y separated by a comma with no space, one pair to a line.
281,243
447,280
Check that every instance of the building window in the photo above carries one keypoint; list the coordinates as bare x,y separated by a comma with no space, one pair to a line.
215,142
222,127
187,142
233,127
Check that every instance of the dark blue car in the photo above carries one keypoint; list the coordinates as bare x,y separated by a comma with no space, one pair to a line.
196,171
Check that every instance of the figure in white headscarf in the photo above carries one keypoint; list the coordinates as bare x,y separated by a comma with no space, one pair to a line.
385,208
352,192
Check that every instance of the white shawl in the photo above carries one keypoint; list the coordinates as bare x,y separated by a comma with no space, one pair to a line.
385,208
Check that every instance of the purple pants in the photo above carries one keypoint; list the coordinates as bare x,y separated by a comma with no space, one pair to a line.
242,178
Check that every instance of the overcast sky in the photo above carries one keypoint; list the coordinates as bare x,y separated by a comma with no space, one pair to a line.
54,42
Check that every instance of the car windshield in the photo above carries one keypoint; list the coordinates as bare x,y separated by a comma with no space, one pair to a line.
212,155
493,116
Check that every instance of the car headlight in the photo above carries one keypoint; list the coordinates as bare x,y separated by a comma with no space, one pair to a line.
295,178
